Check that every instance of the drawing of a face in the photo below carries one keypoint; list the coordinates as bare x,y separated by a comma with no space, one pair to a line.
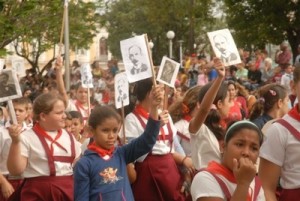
221,43
135,55
4,78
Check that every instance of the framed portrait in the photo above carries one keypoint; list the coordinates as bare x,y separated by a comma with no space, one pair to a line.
19,66
121,90
168,71
224,47
86,76
9,85
136,58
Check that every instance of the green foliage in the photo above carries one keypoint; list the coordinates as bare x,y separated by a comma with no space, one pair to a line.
264,21
35,26
124,18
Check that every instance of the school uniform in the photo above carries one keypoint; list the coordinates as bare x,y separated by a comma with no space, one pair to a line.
105,177
205,184
49,172
75,105
282,148
152,168
183,135
5,142
205,147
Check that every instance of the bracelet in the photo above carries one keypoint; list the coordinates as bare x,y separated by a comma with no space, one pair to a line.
183,160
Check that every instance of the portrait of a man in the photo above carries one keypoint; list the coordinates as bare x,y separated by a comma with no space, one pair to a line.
135,56
136,59
121,90
9,85
224,46
168,71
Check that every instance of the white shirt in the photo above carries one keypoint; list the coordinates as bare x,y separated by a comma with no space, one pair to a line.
282,148
32,148
5,142
205,147
182,126
205,185
134,129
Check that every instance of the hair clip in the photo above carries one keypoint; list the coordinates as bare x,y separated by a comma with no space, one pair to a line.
272,92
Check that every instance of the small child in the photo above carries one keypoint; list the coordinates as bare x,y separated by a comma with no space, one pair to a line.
77,125
10,183
101,173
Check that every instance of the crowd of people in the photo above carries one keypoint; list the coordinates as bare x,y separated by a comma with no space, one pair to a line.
226,133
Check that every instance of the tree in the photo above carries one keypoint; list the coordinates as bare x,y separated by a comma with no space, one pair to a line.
124,18
264,21
35,26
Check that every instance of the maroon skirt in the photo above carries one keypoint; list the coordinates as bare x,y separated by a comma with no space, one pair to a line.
289,195
158,179
16,183
55,188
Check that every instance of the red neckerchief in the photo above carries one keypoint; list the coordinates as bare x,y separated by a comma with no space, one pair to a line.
102,152
141,111
40,131
187,117
80,107
294,113
217,168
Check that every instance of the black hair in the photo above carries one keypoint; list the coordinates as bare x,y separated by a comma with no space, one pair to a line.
235,126
142,88
213,118
76,115
100,113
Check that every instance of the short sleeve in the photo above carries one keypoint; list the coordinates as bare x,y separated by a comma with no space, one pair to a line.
205,185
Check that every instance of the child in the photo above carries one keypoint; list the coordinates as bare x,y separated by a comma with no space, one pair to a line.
287,77
44,154
182,112
206,127
77,125
279,154
101,173
272,104
234,177
10,183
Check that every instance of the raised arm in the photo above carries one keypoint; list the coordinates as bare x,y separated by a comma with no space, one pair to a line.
60,81
208,99
16,163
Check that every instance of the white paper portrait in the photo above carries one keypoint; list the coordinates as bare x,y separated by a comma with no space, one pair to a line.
18,65
168,71
86,76
224,47
9,85
121,90
136,58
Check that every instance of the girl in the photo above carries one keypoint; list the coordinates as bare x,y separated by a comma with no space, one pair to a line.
81,94
152,168
272,104
205,128
234,177
182,112
235,113
280,151
44,154
101,173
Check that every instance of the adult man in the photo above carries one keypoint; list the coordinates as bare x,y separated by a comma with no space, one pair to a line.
135,56
283,56
222,45
6,89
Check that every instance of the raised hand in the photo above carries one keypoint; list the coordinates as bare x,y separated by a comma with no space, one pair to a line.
219,66
244,171
164,117
58,62
157,95
14,132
